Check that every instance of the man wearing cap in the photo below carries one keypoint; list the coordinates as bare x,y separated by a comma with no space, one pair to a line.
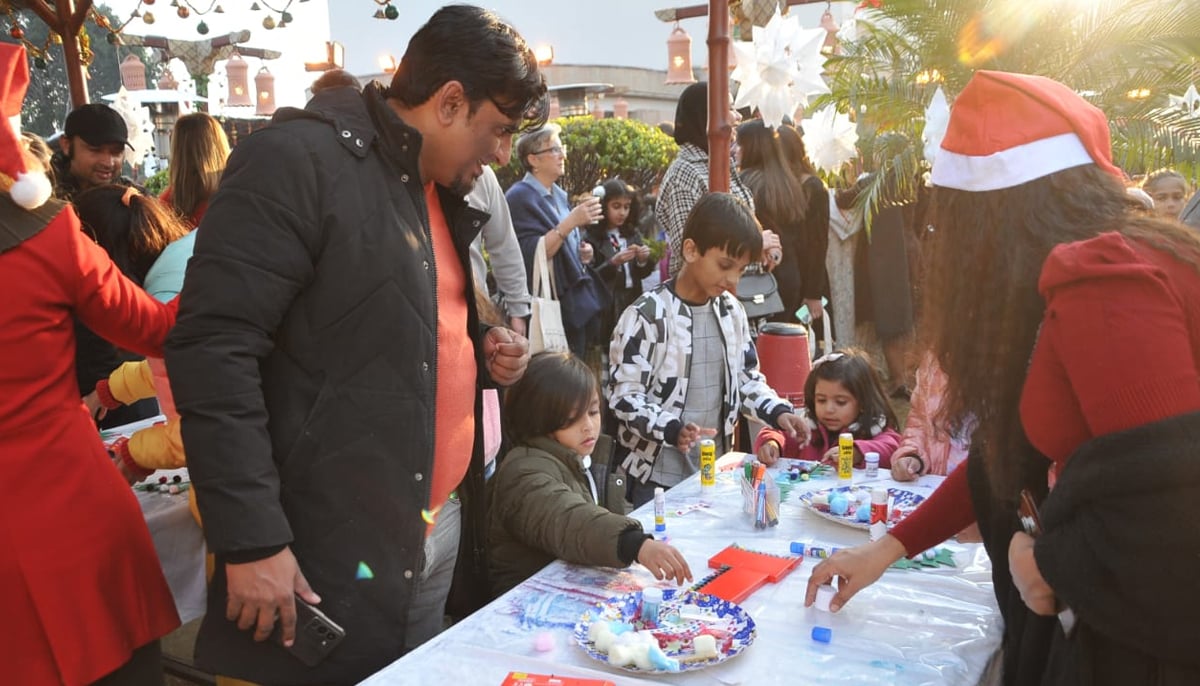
91,150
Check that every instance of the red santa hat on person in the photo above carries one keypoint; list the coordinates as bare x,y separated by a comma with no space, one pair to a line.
28,189
1007,129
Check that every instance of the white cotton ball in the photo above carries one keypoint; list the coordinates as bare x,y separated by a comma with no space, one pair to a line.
620,655
601,636
31,190
705,646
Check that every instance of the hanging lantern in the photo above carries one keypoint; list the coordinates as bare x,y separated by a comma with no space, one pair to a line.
264,82
167,81
555,108
239,87
831,31
679,57
621,108
133,73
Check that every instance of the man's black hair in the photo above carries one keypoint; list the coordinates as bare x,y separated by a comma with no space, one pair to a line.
720,220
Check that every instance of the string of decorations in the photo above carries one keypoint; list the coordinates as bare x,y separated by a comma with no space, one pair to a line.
386,10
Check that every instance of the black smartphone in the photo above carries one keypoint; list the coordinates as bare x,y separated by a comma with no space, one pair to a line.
316,634
1031,521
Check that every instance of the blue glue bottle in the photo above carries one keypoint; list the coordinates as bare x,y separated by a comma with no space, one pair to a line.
651,605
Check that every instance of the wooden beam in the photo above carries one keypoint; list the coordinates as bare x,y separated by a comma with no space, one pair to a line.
69,19
693,11
719,125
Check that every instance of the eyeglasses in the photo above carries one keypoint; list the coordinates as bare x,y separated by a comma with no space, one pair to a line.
557,150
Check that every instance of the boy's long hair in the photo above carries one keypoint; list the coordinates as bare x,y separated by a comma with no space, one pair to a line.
983,309
556,390
720,220
132,234
852,368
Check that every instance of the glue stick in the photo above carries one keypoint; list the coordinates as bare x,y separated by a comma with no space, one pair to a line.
845,462
708,469
660,510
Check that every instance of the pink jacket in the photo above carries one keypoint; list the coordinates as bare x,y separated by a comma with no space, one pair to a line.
940,451
885,441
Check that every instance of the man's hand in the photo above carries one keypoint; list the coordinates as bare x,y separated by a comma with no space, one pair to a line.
664,562
261,590
518,324
1028,579
507,355
690,434
768,453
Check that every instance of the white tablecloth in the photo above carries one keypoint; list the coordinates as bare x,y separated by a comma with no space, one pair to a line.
177,538
912,627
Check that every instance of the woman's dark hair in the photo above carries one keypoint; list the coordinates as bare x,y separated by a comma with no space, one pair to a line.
795,153
778,194
488,57
615,189
852,368
982,306
691,116
133,235
720,220
555,391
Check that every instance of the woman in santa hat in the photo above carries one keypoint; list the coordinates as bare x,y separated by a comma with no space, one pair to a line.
81,589
1069,328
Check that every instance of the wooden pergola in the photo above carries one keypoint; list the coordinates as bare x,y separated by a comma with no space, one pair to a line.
66,17
720,126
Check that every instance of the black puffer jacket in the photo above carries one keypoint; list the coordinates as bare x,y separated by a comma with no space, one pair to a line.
304,366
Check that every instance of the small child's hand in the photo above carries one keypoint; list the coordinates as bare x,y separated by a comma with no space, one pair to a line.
768,453
691,433
830,456
906,467
664,561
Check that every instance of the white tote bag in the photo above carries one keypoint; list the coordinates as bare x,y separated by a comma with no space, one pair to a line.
546,330
827,342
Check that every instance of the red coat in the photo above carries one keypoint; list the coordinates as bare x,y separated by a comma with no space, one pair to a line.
80,583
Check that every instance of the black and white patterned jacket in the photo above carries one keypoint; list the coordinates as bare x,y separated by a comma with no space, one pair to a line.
649,359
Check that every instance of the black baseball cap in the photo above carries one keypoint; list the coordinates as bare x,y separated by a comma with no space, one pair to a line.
97,124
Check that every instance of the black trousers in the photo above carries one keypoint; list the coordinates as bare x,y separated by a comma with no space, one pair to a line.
144,668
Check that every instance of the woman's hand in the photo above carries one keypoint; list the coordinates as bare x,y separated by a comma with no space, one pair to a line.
772,249
664,562
906,467
1036,593
586,252
855,568
586,212
814,308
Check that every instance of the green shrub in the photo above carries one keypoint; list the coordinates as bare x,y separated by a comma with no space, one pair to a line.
156,184
601,149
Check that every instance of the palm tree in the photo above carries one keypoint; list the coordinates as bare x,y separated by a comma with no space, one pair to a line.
1125,56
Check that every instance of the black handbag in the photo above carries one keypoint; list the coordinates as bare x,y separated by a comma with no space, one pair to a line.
759,295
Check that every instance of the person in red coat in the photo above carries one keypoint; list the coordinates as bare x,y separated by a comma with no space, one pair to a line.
81,591
1069,330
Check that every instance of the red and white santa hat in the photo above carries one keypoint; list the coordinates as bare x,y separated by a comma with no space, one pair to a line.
1007,129
28,189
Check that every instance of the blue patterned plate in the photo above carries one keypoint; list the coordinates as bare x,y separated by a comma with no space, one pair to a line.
684,615
902,504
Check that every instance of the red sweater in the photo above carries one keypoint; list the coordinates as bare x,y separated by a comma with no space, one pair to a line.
1113,307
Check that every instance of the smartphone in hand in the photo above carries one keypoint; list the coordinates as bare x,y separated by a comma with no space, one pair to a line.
1031,521
316,634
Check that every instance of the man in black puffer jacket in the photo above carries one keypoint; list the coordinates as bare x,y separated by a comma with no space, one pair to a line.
328,348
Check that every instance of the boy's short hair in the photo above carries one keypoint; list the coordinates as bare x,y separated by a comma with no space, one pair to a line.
720,220
555,390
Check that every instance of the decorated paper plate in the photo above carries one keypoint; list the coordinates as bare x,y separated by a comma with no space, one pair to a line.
693,631
825,502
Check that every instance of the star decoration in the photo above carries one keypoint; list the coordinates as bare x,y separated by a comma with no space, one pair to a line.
137,121
937,118
780,68
1189,102
830,138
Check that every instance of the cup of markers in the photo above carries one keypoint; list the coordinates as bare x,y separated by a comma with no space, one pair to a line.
760,494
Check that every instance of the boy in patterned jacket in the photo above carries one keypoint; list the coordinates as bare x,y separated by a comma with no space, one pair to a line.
682,362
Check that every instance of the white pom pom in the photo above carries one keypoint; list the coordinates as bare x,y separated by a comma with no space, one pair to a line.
31,190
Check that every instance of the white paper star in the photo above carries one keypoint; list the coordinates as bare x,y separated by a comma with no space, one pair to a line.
137,120
937,117
1189,102
779,69
830,138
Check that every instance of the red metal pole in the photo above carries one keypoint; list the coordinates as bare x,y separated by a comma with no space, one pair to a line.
719,125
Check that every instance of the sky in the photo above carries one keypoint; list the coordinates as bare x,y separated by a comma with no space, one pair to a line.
612,32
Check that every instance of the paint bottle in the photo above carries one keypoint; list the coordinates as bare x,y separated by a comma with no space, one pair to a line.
879,513
872,464
845,462
708,469
651,606
660,511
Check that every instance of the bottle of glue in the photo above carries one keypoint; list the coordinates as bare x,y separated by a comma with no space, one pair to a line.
879,513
